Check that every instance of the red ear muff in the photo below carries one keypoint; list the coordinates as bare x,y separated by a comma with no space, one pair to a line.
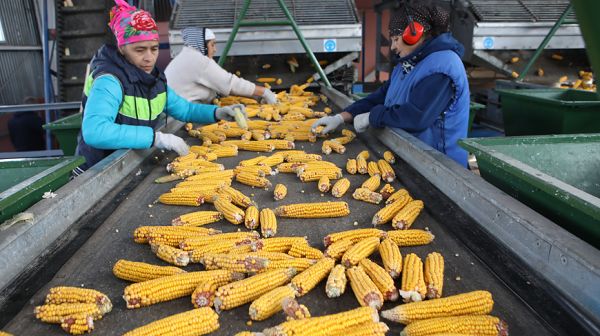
412,37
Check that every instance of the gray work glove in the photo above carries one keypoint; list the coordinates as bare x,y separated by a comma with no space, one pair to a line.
269,97
229,113
361,122
331,123
171,142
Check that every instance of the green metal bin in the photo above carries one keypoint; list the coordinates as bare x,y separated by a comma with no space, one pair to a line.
24,181
549,111
66,131
556,175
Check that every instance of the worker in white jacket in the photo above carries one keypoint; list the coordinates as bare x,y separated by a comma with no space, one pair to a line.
194,75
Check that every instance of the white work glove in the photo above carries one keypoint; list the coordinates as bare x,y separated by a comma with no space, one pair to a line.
269,97
331,123
361,122
171,142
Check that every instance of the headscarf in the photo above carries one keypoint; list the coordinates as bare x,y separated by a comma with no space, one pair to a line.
196,37
434,19
130,25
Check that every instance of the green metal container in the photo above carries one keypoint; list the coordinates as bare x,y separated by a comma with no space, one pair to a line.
24,181
549,111
66,131
556,175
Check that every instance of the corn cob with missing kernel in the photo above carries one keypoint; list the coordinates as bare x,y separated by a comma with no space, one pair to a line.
351,167
299,264
411,237
241,292
191,243
200,321
353,235
372,183
388,212
362,249
139,271
365,290
234,262
366,195
340,187
293,310
395,196
407,215
220,247
303,250
336,282
77,324
252,180
300,158
169,234
337,249
381,278
472,303
64,294
324,185
386,191
251,146
413,284
277,244
308,279
434,275
251,162
232,213
204,294
387,172
251,217
268,223
53,313
361,165
237,197
270,303
279,192
391,257
287,167
336,146
315,175
171,254
313,210
480,325
389,157
197,218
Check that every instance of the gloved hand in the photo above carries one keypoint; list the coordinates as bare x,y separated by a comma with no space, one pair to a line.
361,122
228,113
269,97
331,123
171,142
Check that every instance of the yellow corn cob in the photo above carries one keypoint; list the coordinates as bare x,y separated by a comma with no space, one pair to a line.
353,235
315,175
266,80
368,329
299,158
348,133
261,171
299,264
389,211
200,321
303,250
336,146
76,324
286,153
251,162
4,333
271,256
235,262
381,278
334,324
362,249
395,196
338,248
366,195
170,233
407,216
207,176
53,313
387,172
277,244
472,303
205,195
241,292
198,218
268,223
139,271
167,288
287,167
237,197
277,144
234,132
351,167
361,165
272,160
480,325
336,282
389,157
207,186
324,185
373,168
171,254
313,210
204,294
224,151
258,135
252,146
270,303
195,242
326,149
252,180
309,278
224,246
413,285
340,187
386,191
198,149
279,192
391,257
232,214
366,292
251,217
293,310
62,294
434,275
318,166
372,183
191,199
411,237
175,167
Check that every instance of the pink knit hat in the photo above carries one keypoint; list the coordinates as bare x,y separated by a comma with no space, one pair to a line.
131,25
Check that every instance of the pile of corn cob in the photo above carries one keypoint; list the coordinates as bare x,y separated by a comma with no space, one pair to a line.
74,308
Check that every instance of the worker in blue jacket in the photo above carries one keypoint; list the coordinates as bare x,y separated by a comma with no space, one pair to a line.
427,94
125,93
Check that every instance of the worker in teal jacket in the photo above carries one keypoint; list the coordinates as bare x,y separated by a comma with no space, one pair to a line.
125,94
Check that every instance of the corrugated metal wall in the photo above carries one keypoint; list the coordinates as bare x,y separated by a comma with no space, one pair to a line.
21,72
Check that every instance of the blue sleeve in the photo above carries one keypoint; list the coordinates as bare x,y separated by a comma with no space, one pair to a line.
99,129
428,99
181,109
366,104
